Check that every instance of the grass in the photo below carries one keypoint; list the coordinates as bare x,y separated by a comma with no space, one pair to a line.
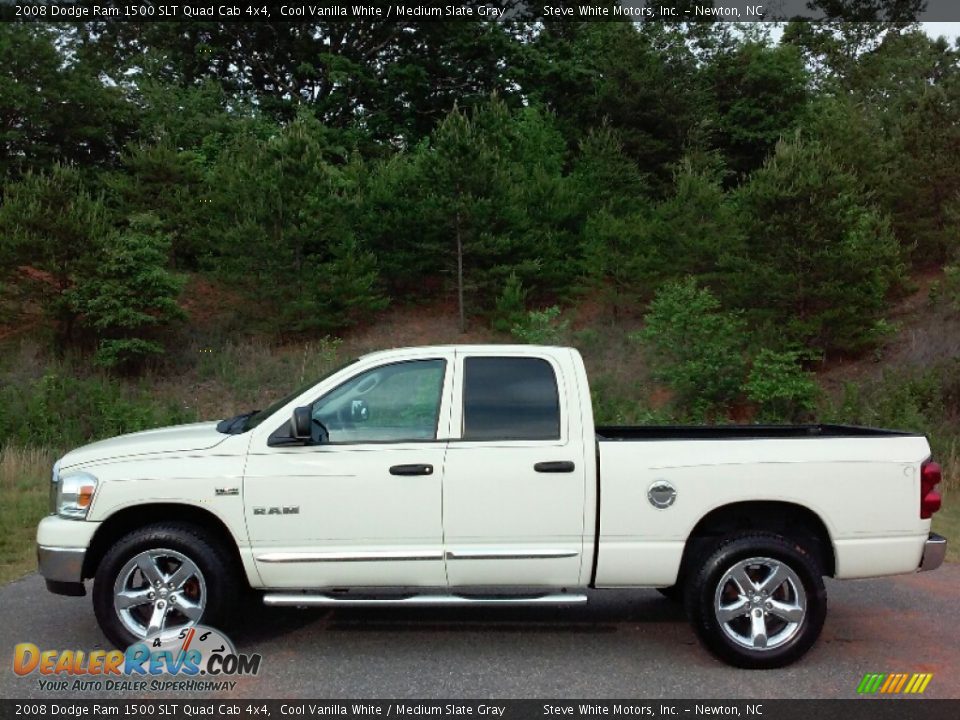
24,486
947,521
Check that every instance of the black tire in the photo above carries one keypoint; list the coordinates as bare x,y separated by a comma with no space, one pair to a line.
789,639
217,575
674,593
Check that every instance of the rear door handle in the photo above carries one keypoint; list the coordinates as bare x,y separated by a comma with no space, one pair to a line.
411,470
561,466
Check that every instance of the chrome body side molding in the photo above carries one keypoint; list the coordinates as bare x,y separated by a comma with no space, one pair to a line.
509,554
362,556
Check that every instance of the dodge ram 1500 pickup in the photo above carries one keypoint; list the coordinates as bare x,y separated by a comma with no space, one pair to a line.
474,475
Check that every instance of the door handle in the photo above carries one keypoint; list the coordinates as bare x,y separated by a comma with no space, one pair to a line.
411,470
561,466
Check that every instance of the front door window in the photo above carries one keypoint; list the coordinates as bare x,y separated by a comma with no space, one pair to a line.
399,402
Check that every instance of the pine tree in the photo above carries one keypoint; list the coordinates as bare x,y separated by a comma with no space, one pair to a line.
50,226
130,294
818,260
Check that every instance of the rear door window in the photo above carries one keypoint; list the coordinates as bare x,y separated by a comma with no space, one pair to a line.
506,398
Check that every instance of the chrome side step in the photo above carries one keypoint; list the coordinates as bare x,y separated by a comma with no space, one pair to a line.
319,600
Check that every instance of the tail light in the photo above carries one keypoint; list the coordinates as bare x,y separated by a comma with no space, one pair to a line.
930,475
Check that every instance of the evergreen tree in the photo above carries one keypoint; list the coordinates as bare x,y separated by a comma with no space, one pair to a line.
494,203
282,216
130,294
50,226
817,260
759,94
53,107
171,185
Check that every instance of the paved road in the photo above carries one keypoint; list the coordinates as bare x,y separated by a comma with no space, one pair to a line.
622,644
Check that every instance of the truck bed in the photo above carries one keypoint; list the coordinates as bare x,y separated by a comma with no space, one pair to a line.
619,433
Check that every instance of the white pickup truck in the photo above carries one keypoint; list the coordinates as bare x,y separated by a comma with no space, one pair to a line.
474,475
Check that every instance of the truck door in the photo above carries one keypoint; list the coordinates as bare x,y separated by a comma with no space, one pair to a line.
514,477
361,505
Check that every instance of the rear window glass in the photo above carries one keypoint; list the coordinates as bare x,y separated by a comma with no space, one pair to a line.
510,399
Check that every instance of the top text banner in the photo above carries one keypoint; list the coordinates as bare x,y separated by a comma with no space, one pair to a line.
501,11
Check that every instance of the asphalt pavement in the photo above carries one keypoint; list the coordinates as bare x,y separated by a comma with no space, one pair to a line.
622,644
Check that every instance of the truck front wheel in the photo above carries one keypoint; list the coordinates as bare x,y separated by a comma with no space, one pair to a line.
758,600
160,579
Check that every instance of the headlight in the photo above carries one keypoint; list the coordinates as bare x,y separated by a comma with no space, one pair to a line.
74,495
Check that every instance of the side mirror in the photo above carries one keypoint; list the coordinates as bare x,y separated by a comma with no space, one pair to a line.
359,411
300,422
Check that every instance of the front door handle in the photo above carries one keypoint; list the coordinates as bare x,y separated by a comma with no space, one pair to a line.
411,470
561,466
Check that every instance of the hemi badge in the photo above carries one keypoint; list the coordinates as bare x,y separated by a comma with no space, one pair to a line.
226,491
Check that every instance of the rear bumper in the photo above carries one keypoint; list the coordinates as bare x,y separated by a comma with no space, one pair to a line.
934,552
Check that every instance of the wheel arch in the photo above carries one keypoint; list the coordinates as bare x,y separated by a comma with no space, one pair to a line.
134,517
789,519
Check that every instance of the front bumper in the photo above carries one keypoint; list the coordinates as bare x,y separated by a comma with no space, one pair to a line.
934,552
62,568
61,548
60,563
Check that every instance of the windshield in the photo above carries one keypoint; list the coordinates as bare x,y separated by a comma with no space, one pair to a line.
260,415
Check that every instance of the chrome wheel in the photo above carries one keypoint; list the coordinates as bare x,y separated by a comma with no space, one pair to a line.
158,592
760,603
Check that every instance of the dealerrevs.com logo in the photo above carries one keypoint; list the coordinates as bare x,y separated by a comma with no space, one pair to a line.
196,658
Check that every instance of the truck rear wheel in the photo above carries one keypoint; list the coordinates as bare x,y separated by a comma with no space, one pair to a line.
160,579
758,600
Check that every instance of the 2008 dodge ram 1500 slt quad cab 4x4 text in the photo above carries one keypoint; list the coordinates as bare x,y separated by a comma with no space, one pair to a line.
472,475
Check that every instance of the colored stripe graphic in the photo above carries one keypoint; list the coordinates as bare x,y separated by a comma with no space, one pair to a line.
894,683
903,680
919,683
870,683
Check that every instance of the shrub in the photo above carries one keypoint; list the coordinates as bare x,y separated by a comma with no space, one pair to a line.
617,405
59,410
542,327
779,387
511,307
130,294
950,288
695,347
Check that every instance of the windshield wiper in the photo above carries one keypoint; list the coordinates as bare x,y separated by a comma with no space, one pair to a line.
234,425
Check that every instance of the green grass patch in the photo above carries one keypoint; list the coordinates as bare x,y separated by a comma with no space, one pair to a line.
947,523
24,488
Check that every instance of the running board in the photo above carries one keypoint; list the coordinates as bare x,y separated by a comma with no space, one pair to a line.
305,600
